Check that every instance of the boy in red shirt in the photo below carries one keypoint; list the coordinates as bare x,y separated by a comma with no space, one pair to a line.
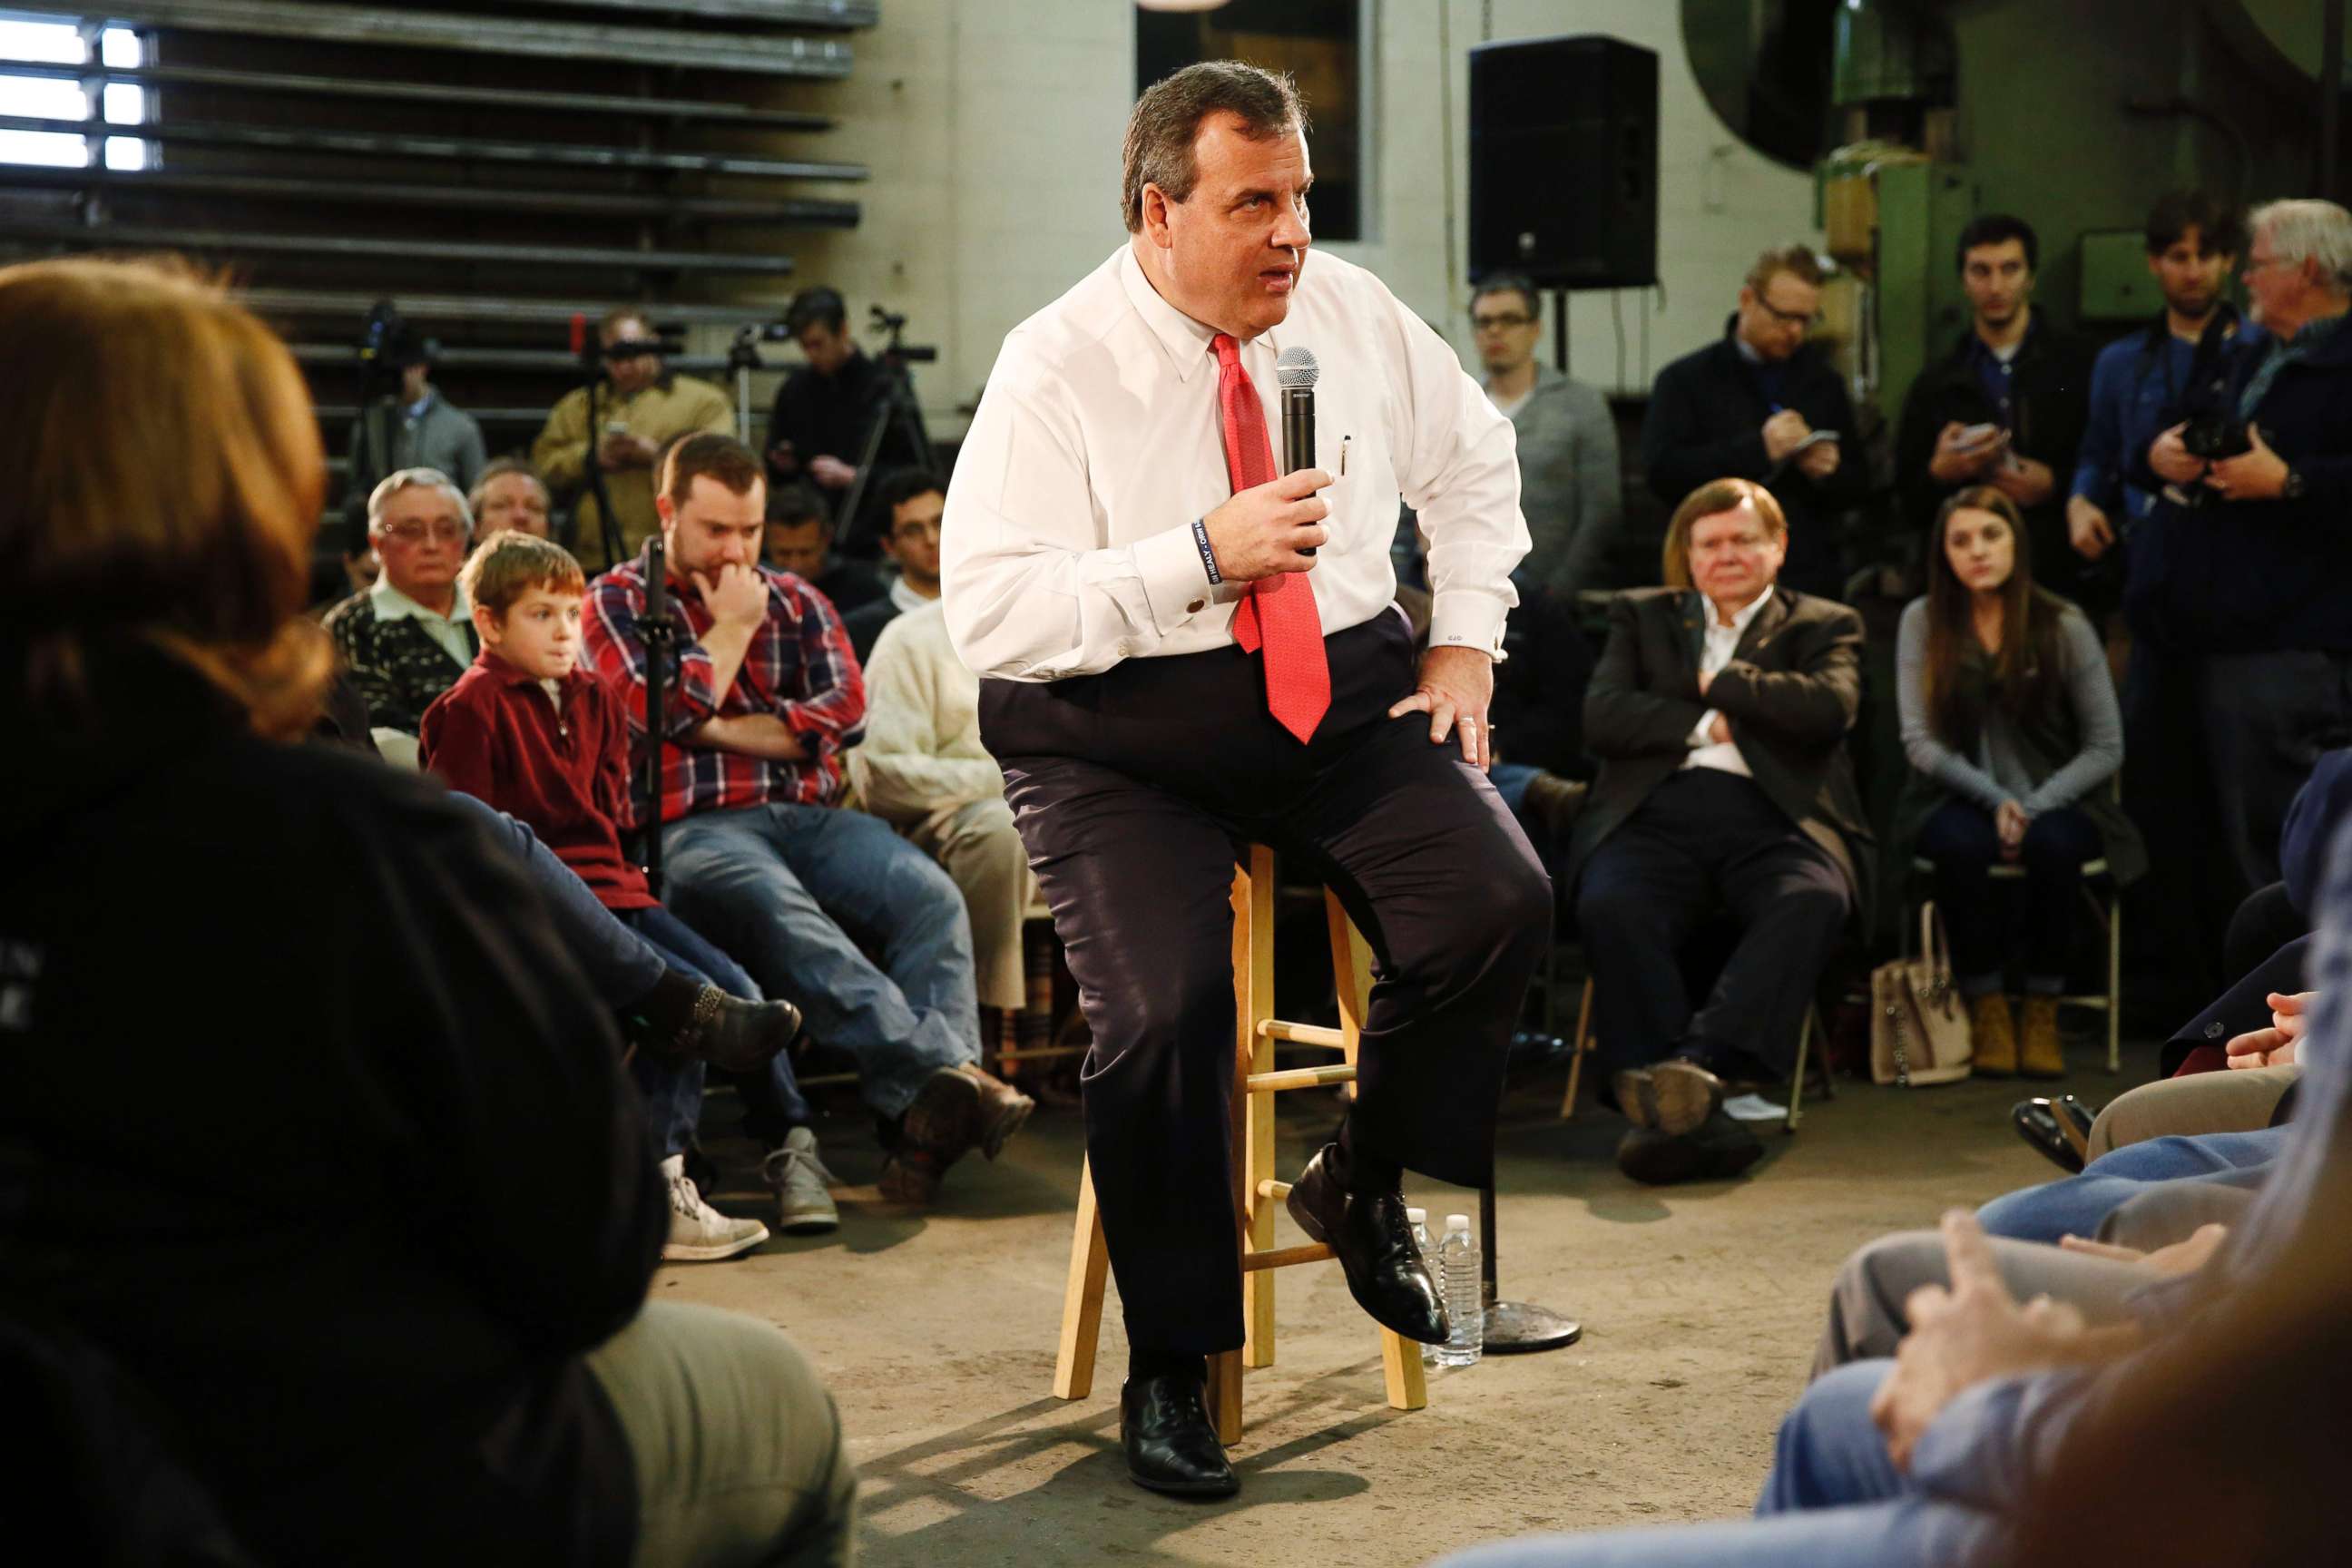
529,731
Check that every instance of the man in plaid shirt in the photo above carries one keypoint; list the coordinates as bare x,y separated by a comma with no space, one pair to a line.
766,696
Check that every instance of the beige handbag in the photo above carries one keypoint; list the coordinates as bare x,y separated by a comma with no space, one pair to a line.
1918,1030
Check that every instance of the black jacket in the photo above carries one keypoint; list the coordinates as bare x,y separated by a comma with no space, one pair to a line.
2258,576
1789,691
1537,712
1706,422
2050,387
312,1125
834,417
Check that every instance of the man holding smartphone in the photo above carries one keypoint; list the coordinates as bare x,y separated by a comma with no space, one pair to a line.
2006,407
1764,403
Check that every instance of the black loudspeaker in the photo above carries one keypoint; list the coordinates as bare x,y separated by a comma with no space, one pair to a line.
1564,162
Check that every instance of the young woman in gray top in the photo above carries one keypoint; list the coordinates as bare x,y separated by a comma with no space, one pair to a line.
2010,724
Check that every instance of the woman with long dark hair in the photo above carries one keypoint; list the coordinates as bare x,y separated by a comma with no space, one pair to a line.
2010,724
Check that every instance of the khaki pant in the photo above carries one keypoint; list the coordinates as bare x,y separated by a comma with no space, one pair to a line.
739,1454
2238,1100
978,846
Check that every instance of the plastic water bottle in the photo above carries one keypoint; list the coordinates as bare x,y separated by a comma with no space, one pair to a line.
1427,1245
1466,1304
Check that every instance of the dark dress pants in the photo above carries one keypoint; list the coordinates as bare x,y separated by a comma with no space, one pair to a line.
2266,718
1133,791
1705,842
1963,842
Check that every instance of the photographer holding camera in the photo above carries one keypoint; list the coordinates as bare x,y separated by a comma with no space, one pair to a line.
2242,590
826,411
641,410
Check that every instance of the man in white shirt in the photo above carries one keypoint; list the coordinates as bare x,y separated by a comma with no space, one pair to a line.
1169,673
1718,710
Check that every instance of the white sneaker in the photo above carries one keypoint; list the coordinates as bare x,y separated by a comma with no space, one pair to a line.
1753,1108
803,1207
698,1233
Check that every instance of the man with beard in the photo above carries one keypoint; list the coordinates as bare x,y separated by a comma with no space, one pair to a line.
2193,243
2005,407
1765,402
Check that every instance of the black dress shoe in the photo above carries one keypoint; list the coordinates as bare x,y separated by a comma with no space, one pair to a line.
1719,1150
1171,1444
2048,1128
1373,1239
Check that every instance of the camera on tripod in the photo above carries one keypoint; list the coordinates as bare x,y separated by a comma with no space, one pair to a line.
387,346
893,325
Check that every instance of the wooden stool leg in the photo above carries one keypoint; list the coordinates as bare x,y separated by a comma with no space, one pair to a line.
1796,1082
1408,1381
1082,1296
1225,1396
1253,1114
1576,1057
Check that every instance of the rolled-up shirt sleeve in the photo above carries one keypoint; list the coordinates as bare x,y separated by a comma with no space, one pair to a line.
1028,595
1457,464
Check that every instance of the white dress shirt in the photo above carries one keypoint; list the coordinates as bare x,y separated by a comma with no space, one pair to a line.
1722,642
1068,545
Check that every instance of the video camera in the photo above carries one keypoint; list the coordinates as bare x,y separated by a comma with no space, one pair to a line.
387,346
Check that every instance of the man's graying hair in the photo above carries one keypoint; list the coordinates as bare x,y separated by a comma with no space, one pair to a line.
415,479
1167,118
2301,231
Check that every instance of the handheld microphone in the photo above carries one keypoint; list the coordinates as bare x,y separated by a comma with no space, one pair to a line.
1295,371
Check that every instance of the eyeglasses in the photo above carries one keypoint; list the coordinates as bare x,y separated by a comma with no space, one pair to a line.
1805,319
412,531
1503,323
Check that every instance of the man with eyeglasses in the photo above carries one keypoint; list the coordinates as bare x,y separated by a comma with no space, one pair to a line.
911,500
408,638
1765,402
1569,484
2006,407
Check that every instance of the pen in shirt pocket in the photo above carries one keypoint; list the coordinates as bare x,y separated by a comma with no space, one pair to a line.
1343,454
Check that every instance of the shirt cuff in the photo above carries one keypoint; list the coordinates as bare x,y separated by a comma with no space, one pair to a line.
1175,583
1461,620
1701,734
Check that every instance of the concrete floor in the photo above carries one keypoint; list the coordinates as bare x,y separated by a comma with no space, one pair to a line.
1701,1305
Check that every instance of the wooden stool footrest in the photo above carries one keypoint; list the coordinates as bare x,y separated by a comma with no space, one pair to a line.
1302,1078
1302,1034
1284,1256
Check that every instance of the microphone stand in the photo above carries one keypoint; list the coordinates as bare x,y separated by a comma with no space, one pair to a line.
658,626
1514,1328
592,356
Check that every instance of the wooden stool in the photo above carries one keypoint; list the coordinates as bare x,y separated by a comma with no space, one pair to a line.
1256,1192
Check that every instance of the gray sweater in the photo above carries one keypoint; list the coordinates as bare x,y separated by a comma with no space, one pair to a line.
2001,770
1570,486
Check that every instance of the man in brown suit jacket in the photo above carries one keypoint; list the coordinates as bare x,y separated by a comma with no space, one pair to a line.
1718,710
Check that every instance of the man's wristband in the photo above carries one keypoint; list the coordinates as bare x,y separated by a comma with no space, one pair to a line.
1208,556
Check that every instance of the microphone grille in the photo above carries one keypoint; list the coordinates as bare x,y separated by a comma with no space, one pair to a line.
1296,367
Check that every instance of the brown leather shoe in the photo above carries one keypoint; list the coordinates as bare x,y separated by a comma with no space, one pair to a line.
910,1176
1002,1110
2040,1056
1993,1036
1674,1097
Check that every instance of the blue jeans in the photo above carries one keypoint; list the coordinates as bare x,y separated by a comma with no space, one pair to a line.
621,966
673,1088
2074,1205
1829,1453
795,889
1964,845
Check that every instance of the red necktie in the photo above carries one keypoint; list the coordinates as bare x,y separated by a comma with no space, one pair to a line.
1278,613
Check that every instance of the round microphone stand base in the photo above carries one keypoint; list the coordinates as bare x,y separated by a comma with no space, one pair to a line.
1521,1328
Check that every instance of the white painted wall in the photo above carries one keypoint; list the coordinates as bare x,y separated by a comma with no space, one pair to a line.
993,129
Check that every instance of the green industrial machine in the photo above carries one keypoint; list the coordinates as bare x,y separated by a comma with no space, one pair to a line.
2074,116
